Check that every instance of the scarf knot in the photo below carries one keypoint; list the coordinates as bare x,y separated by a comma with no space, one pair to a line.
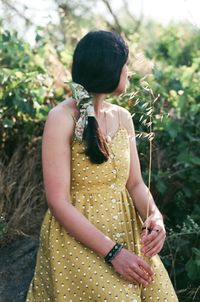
85,106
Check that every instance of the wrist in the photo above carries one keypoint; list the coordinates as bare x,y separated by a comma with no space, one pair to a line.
106,247
157,216
113,253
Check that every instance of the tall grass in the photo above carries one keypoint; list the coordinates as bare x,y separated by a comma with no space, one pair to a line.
22,200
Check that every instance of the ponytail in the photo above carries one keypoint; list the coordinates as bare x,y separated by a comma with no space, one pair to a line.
96,148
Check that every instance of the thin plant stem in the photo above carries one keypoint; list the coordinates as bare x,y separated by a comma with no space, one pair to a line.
150,167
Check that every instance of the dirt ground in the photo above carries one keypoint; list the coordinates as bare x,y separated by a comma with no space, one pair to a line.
17,263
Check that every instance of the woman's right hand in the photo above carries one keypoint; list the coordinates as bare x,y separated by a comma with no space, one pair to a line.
132,267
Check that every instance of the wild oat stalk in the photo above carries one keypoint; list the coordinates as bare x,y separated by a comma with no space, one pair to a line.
150,136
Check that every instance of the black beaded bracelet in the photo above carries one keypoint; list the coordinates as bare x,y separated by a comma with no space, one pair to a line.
113,253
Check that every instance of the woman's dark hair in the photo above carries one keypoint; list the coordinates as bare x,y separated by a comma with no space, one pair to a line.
97,64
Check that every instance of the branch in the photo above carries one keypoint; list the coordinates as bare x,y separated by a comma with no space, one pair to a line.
20,14
139,20
127,10
117,23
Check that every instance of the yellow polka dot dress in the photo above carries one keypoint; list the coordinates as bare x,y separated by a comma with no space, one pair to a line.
68,271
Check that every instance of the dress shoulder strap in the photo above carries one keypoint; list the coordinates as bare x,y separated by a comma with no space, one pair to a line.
119,117
73,118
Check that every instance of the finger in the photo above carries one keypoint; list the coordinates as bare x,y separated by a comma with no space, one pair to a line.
149,237
145,235
151,244
130,277
154,245
144,266
152,224
154,251
141,273
137,278
154,234
149,224
145,231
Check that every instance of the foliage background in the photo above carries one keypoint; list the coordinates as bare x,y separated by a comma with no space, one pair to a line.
164,89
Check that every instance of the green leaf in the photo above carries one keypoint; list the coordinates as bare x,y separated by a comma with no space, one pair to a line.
193,270
196,251
195,160
7,123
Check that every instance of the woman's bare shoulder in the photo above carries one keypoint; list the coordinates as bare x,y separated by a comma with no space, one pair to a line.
65,108
125,117
60,118
117,108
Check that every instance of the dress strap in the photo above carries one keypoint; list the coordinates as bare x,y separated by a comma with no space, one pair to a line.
73,118
75,121
119,117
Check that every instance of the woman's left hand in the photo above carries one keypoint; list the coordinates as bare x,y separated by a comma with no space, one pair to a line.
153,236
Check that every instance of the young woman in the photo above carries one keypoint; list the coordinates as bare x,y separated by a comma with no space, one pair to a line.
95,244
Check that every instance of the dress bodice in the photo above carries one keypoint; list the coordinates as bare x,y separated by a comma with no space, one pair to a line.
113,174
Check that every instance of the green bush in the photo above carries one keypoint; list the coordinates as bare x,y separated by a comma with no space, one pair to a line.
26,91
166,111
176,148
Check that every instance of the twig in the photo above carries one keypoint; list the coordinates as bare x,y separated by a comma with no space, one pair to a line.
136,21
119,27
198,289
21,15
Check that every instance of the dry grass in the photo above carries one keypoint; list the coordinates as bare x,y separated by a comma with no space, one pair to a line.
22,200
189,295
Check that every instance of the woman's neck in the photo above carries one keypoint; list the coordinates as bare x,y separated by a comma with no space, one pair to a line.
99,103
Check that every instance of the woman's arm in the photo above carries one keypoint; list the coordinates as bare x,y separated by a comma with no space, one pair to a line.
142,196
56,160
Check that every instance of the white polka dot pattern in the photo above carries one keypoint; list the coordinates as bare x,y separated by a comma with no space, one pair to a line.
68,271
